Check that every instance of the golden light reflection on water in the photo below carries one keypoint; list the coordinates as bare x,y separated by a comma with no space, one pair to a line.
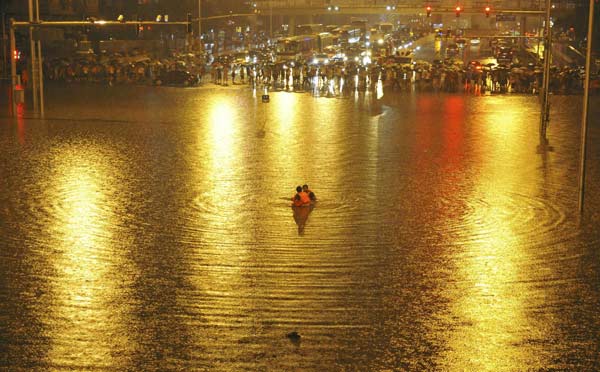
81,316
221,139
284,120
219,190
505,126
285,109
492,314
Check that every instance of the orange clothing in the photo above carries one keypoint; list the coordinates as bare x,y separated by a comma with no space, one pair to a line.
308,192
304,199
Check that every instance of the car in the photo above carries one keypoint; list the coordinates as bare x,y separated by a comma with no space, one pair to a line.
177,78
352,52
287,57
319,59
437,62
451,50
504,50
474,65
461,41
398,60
225,59
475,41
504,58
241,58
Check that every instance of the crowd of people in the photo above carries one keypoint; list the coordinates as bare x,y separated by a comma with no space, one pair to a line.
421,76
338,76
117,68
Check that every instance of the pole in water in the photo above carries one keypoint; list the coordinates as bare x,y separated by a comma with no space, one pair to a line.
584,115
545,115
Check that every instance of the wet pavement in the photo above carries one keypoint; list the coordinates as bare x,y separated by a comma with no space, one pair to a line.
150,229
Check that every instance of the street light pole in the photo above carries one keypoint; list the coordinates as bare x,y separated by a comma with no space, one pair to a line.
13,68
3,15
545,117
33,75
584,115
40,65
271,19
200,24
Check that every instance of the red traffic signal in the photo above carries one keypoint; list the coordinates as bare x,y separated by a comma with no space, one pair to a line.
458,9
487,11
428,9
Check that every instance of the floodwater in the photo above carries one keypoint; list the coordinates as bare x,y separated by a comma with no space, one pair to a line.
150,229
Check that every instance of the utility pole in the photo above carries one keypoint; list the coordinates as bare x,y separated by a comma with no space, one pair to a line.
40,62
200,24
584,115
545,117
3,44
13,68
271,19
33,75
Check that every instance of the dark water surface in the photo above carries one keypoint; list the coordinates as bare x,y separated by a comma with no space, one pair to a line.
149,229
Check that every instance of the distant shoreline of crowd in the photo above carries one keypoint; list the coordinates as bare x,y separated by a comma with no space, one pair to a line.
138,69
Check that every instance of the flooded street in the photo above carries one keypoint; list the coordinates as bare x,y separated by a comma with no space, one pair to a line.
150,229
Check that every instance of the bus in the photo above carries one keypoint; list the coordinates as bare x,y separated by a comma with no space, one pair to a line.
385,28
360,23
295,47
347,34
309,28
304,45
324,40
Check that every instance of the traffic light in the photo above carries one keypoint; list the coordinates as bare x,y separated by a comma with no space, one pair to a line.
487,11
189,23
428,9
457,10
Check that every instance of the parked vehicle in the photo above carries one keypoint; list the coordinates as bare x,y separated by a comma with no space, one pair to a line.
177,78
451,50
504,58
320,59
475,41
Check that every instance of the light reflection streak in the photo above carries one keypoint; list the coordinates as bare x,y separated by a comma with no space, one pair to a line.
219,185
80,316
21,122
221,140
493,315
285,109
